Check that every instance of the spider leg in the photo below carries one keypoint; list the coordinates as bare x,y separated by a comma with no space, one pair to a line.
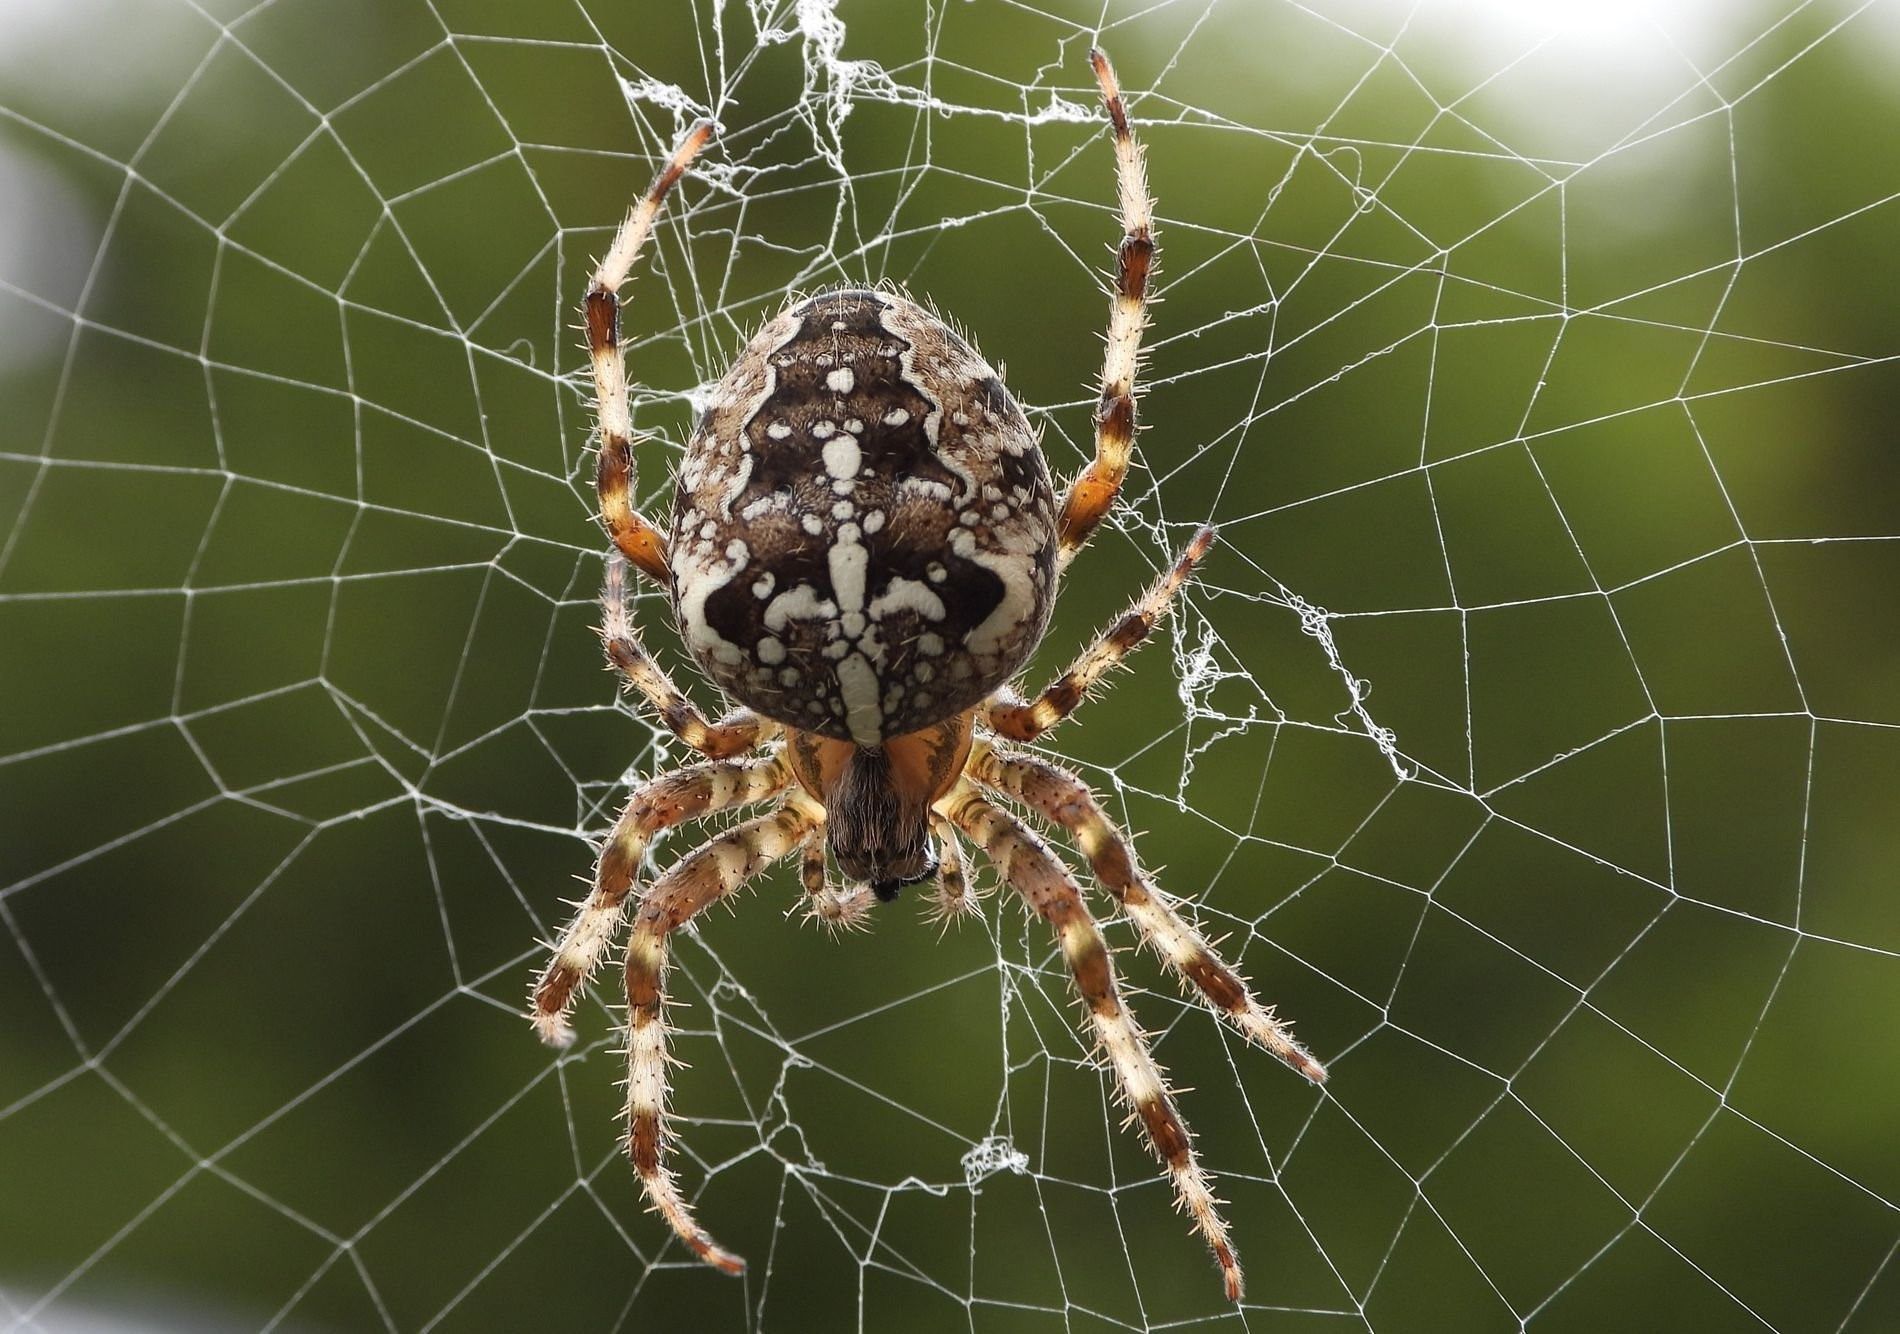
1047,887
1020,720
700,879
660,803
1065,800
614,482
1093,493
738,731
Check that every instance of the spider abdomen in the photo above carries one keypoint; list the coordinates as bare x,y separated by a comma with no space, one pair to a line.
864,535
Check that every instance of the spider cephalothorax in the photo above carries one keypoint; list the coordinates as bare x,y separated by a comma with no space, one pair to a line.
864,551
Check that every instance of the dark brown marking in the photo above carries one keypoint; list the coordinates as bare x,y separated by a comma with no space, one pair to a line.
551,993
690,147
1116,414
644,1142
1216,982
1133,262
643,983
943,481
1111,89
1164,1128
1093,976
602,311
811,867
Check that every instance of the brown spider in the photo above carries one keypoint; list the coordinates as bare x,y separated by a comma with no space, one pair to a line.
864,550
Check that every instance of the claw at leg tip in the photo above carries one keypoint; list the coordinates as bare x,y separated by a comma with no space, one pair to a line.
553,1030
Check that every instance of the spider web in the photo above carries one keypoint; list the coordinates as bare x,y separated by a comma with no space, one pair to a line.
1531,739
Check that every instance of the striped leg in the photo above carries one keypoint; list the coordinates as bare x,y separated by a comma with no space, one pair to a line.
1021,720
614,482
1064,800
1093,493
738,731
1025,861
660,803
697,881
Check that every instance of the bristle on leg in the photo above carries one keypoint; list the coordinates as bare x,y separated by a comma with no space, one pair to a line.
1026,862
705,876
1064,800
660,803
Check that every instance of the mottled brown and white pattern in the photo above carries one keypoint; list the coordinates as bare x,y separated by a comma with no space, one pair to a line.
863,552
864,533
685,794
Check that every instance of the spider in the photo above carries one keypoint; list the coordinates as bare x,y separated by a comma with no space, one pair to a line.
865,546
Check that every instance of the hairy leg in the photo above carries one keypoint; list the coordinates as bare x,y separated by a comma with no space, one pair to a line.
1065,800
1026,862
660,803
1093,493
738,731
600,309
698,880
1021,720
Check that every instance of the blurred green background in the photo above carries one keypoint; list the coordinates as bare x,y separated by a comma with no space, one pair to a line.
1538,362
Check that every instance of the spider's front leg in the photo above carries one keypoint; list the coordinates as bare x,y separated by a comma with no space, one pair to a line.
697,881
1065,800
1052,893
600,311
660,803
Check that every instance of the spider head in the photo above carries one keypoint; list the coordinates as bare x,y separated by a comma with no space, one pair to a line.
877,799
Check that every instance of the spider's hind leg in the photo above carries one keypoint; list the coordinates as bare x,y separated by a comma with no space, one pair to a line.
600,309
738,731
1093,493
1024,720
